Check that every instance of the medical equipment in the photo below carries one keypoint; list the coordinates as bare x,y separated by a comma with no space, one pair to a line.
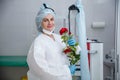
109,62
72,7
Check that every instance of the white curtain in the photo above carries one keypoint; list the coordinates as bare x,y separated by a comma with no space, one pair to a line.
81,26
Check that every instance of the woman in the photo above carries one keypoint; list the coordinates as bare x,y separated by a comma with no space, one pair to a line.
46,59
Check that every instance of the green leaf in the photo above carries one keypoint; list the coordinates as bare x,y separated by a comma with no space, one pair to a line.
73,48
76,44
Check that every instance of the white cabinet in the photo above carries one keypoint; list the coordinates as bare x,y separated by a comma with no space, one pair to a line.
96,61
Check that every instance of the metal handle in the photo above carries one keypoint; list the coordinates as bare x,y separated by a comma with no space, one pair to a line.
92,51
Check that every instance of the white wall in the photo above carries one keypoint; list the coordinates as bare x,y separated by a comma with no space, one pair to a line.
17,22
16,26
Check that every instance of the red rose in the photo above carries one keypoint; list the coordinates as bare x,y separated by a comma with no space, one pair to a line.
63,30
67,50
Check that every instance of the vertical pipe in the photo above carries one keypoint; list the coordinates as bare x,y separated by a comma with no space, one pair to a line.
117,73
69,21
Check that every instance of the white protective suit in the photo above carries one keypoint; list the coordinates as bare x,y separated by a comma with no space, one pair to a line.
46,60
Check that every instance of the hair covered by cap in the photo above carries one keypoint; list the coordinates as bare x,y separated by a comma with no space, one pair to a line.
44,11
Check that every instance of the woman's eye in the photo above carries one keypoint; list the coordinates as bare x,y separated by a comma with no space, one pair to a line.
45,20
52,19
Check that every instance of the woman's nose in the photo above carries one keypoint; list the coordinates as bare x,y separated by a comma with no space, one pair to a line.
49,22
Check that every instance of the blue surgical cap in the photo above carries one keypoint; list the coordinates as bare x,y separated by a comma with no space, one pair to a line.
44,11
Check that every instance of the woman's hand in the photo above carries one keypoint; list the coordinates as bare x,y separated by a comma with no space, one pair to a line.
72,69
71,42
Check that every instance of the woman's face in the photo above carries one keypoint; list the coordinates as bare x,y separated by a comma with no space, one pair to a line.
48,22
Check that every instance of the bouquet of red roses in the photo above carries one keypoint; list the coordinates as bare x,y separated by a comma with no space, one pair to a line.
71,50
